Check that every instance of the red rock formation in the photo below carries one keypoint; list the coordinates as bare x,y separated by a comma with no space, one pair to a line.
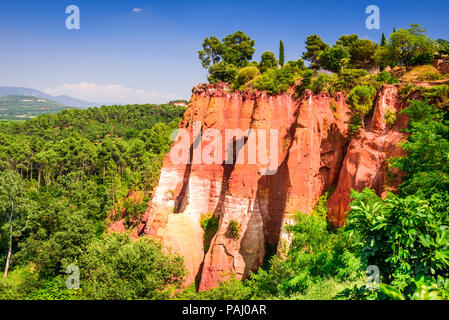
312,156
365,162
442,65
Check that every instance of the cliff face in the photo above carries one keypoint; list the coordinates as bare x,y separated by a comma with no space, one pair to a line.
310,153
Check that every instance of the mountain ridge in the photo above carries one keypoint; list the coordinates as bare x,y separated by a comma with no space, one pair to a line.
62,99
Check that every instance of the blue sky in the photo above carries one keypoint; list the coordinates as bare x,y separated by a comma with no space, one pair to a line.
120,55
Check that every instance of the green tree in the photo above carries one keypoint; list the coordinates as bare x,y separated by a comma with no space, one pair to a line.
314,47
443,46
411,46
361,51
281,53
331,58
222,71
238,49
118,268
211,53
268,61
15,210
360,101
383,42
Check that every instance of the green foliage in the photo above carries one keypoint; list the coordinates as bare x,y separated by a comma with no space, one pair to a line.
383,42
314,48
390,117
16,211
233,230
404,237
281,53
118,268
235,49
360,51
268,61
331,58
410,47
222,71
210,226
238,49
211,53
426,165
70,169
315,255
361,100
275,80
443,46
348,79
386,77
16,107
244,76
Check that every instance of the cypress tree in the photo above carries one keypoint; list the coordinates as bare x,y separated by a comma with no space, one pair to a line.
384,40
281,53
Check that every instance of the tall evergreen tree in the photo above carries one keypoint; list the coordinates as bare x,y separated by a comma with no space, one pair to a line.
383,42
281,53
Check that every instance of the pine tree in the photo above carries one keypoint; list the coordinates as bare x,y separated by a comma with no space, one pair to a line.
281,53
394,29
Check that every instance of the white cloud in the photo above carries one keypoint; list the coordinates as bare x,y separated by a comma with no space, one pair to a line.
110,93
137,10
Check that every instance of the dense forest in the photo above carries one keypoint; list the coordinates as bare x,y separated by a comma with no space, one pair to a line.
63,178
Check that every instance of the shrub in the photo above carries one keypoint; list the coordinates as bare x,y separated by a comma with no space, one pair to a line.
268,60
118,268
210,226
275,81
360,100
331,58
222,71
390,117
233,230
349,78
386,77
244,76
430,76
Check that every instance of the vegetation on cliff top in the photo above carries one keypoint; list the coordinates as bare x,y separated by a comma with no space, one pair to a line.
332,68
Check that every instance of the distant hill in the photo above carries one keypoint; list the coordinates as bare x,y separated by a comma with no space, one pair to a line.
64,100
23,107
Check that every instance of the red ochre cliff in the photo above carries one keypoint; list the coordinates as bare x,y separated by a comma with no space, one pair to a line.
314,155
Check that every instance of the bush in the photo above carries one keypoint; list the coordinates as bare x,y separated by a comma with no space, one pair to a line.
275,81
386,77
210,226
222,71
331,58
360,101
244,76
349,78
118,268
315,255
404,237
268,61
233,230
390,117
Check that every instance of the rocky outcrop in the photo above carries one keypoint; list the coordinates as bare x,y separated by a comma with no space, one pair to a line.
365,164
310,153
442,65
